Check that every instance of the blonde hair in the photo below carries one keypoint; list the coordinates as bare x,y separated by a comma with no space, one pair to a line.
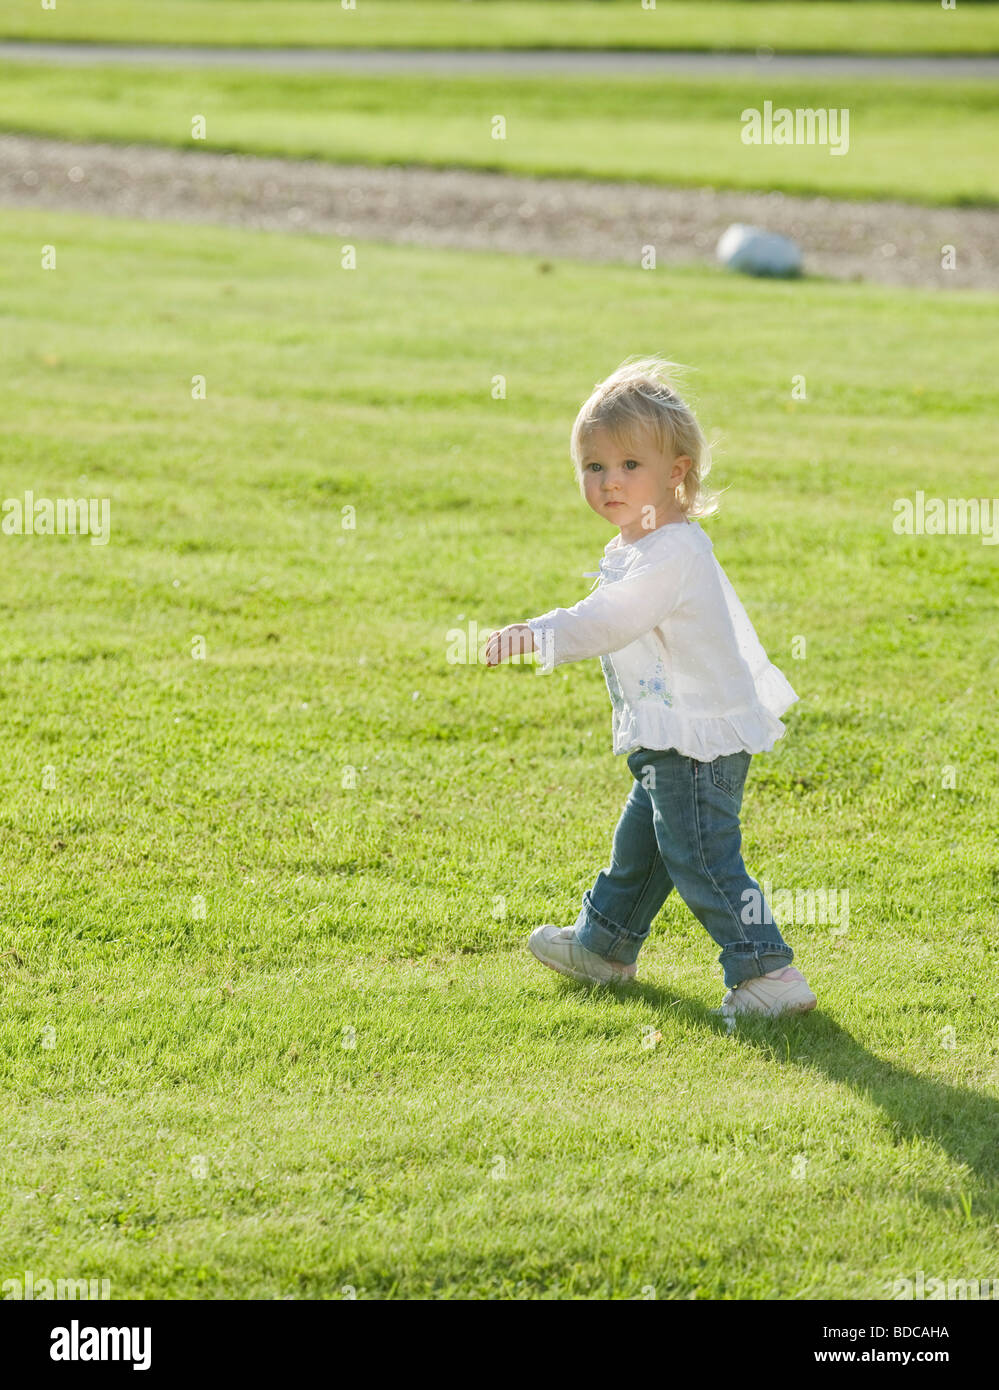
642,395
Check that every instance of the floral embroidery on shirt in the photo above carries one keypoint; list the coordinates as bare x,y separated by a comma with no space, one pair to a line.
656,687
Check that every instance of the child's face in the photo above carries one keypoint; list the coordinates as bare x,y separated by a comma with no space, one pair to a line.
621,484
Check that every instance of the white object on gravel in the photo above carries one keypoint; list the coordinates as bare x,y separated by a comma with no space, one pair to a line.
757,252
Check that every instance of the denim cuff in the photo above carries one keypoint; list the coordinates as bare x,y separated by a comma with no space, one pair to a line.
745,960
603,937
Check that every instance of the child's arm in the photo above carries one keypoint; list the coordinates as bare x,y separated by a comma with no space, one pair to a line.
515,640
610,618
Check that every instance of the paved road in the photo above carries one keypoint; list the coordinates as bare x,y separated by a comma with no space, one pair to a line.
525,61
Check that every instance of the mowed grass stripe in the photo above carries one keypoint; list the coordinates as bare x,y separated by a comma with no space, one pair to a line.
924,142
904,26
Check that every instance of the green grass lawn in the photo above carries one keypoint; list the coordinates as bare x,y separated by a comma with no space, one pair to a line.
347,1072
927,142
906,26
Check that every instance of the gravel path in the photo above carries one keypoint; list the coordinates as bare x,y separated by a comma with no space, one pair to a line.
513,60
888,242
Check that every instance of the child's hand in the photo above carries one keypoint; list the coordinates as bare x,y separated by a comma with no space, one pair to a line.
515,640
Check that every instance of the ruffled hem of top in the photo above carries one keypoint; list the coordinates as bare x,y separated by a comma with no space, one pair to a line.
706,737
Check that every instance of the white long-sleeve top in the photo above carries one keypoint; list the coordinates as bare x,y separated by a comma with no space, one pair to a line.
683,664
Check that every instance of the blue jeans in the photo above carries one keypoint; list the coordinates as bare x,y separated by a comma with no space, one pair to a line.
680,829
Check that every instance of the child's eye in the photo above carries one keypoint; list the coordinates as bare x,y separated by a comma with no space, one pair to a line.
629,461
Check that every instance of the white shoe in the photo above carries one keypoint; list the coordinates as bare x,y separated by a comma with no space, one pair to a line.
783,991
559,949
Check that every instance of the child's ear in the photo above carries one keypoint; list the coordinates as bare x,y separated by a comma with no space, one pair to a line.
680,466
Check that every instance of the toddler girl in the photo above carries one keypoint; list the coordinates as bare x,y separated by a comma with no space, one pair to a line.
693,696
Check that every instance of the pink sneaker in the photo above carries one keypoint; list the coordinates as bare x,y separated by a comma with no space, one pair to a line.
783,991
558,948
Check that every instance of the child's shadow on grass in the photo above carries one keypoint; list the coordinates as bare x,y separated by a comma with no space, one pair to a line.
965,1124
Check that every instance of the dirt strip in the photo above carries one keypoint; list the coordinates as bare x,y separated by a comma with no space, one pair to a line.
891,243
